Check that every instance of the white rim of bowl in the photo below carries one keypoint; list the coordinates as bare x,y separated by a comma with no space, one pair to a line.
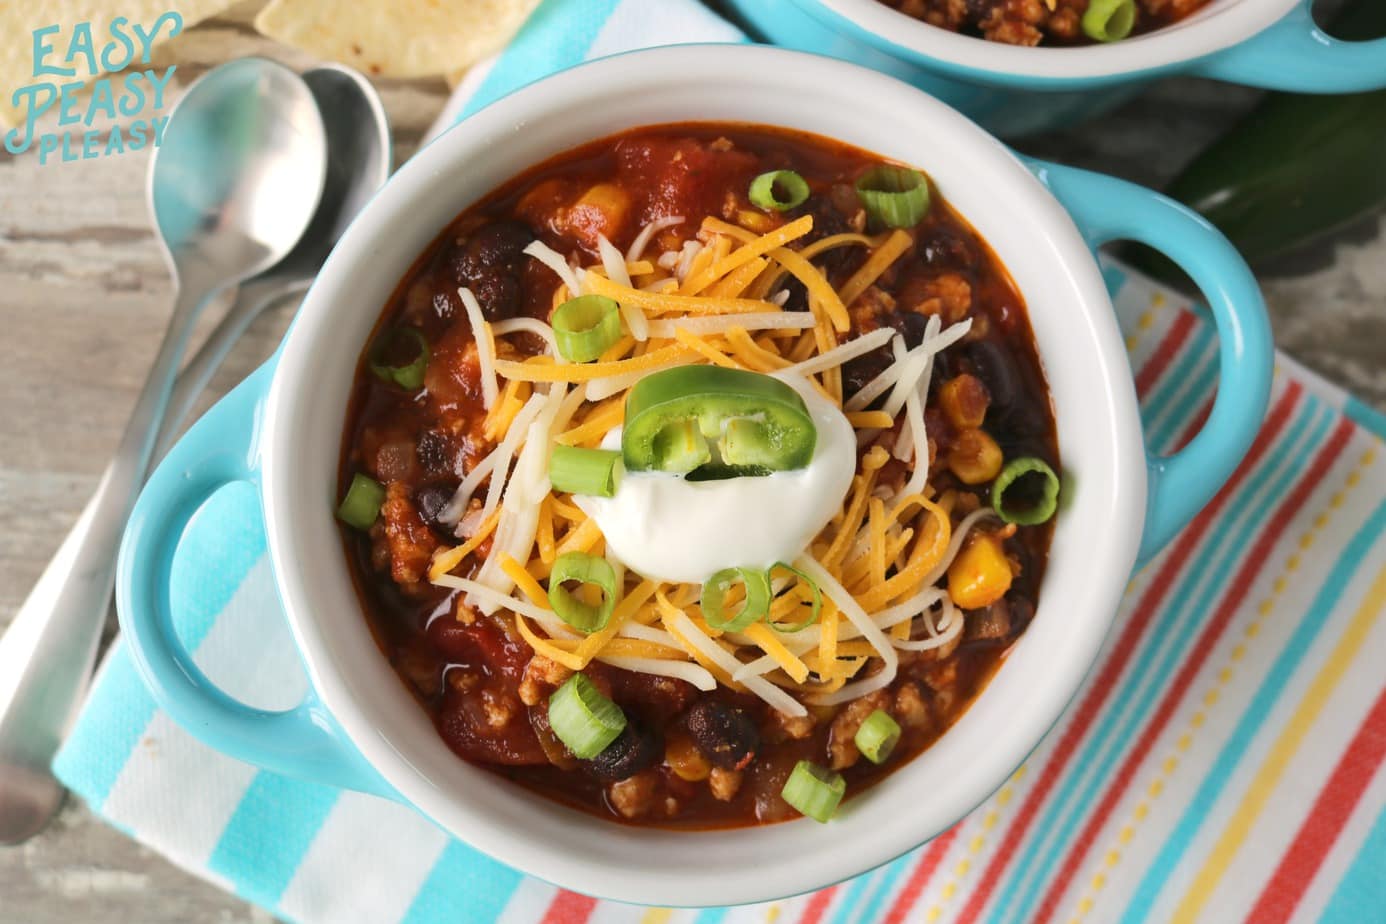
1220,25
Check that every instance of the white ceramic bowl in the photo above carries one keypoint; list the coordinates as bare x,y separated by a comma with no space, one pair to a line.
296,437
1015,90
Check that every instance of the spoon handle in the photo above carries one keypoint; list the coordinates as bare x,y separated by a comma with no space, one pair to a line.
47,653
252,300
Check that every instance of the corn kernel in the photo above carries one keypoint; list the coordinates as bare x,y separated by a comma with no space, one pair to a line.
974,457
964,401
981,574
683,758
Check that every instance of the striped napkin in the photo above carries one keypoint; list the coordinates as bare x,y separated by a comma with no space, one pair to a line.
1221,763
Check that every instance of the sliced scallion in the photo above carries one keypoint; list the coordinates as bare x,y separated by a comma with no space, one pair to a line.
779,190
814,791
584,719
896,197
815,600
588,570
361,506
877,736
573,470
755,605
1109,20
1037,487
586,327
406,375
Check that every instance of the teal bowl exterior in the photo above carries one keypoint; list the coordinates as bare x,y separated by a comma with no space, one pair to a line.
1292,54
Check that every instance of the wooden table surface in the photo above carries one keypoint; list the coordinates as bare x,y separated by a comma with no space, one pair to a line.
84,297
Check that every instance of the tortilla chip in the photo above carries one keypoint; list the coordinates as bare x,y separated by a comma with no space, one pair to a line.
18,20
396,38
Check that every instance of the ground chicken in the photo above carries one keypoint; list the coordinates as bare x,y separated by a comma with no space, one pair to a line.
633,796
409,540
842,750
783,727
542,676
911,710
724,783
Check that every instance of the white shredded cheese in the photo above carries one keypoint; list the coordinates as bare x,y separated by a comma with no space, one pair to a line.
686,256
842,353
554,261
890,661
529,326
606,386
767,691
508,446
719,323
485,347
615,266
500,456
695,674
647,233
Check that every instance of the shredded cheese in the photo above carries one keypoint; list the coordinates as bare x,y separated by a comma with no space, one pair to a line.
647,233
554,261
880,260
841,354
530,326
616,271
485,346
748,252
586,372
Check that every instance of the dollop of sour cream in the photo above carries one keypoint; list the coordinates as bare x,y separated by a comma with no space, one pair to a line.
670,529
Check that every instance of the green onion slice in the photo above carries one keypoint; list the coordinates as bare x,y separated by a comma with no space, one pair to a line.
877,736
586,327
896,197
584,569
573,470
753,607
409,375
362,503
583,719
1109,20
721,422
815,601
1037,485
789,185
815,791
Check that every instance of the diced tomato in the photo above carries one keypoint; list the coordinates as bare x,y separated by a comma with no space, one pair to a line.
682,176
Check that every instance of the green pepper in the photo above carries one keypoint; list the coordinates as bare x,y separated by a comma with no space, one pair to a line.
712,422
1296,168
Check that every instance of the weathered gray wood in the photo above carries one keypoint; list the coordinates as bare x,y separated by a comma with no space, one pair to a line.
84,297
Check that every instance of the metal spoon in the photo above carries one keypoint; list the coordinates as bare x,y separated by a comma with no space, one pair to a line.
358,163
232,189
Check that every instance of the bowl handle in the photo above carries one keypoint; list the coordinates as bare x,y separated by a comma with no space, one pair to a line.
1107,209
222,448
1294,54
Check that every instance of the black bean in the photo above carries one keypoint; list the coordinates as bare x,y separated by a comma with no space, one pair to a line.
995,366
723,734
431,499
434,451
498,294
857,372
911,324
943,247
636,748
494,246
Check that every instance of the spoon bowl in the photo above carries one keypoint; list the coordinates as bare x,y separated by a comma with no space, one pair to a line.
358,163
241,169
